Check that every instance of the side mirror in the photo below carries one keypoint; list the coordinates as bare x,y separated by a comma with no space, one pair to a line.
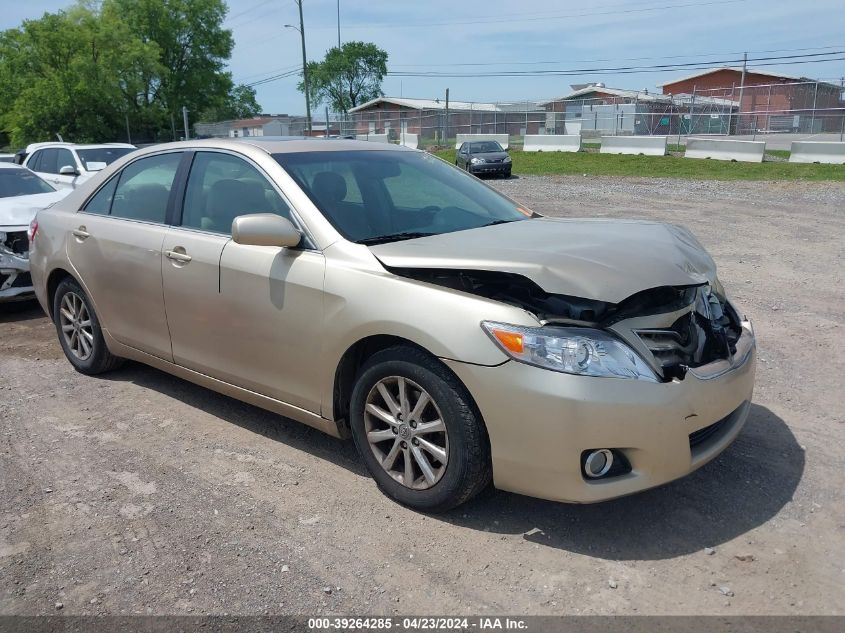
67,170
265,229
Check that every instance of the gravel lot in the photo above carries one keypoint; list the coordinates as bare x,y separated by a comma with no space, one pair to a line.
137,492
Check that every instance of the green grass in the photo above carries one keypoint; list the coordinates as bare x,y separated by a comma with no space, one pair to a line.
780,153
594,164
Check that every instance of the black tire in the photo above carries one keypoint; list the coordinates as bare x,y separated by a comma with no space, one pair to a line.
468,470
101,359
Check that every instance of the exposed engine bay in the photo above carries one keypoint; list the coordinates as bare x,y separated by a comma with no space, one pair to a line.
15,280
691,325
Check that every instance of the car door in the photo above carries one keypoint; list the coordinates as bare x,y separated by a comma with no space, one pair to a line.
43,163
115,246
462,156
65,161
248,315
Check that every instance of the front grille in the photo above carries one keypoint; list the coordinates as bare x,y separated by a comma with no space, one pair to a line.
17,242
702,435
697,338
24,280
672,346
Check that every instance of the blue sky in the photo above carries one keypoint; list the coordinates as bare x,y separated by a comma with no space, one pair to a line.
433,35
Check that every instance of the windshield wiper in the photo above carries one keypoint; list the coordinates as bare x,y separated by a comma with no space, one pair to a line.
495,222
393,237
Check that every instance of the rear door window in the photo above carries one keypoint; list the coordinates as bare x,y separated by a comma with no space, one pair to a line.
35,161
143,190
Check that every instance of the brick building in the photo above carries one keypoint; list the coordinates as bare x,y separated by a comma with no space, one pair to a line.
769,101
428,118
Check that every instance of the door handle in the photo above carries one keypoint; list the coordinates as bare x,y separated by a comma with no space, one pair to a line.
177,256
81,233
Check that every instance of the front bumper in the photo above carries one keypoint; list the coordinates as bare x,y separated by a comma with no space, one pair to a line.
540,422
490,168
15,280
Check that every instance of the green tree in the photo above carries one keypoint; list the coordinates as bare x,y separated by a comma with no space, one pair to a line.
69,73
193,50
348,76
240,103
89,71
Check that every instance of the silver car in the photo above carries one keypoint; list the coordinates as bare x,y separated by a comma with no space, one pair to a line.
377,292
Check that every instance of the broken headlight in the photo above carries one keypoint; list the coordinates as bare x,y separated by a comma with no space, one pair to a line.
573,350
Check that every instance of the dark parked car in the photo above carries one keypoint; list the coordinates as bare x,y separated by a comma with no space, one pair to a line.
484,157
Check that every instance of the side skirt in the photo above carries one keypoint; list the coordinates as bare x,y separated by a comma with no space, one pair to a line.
227,389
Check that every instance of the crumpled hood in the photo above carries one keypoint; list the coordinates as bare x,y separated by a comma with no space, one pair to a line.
19,211
604,260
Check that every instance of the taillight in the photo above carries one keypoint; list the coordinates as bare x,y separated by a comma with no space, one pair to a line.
33,229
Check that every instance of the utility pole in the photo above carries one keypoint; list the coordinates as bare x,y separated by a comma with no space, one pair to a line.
301,30
741,89
446,134
338,23
185,122
842,127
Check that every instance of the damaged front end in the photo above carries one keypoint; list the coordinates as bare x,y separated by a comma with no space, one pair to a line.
15,280
673,328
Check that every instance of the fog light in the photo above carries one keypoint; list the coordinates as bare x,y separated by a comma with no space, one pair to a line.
598,463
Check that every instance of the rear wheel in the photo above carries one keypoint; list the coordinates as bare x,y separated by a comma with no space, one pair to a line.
417,431
79,330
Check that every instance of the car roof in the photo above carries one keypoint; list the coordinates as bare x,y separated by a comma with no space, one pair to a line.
36,146
281,144
12,166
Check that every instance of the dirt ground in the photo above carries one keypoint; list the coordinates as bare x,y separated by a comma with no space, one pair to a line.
136,492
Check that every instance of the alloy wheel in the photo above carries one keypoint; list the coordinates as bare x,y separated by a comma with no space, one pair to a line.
406,432
76,326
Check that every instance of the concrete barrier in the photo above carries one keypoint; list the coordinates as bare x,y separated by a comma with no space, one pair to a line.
409,140
552,143
375,138
460,139
817,152
645,145
742,151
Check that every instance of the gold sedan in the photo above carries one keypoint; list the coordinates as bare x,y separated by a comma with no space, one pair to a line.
377,292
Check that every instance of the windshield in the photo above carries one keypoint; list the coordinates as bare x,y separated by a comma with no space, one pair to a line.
379,196
21,182
485,147
101,157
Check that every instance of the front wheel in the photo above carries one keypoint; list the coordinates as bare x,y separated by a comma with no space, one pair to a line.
79,330
418,432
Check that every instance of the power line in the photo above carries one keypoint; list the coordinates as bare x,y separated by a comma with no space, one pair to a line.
235,16
497,20
270,72
614,59
626,69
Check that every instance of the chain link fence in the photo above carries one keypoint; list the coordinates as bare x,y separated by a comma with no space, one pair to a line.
804,108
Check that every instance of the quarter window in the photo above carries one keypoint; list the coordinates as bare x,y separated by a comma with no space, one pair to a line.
222,187
144,188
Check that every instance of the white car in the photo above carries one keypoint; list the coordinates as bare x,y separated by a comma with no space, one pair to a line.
67,165
22,195
7,158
